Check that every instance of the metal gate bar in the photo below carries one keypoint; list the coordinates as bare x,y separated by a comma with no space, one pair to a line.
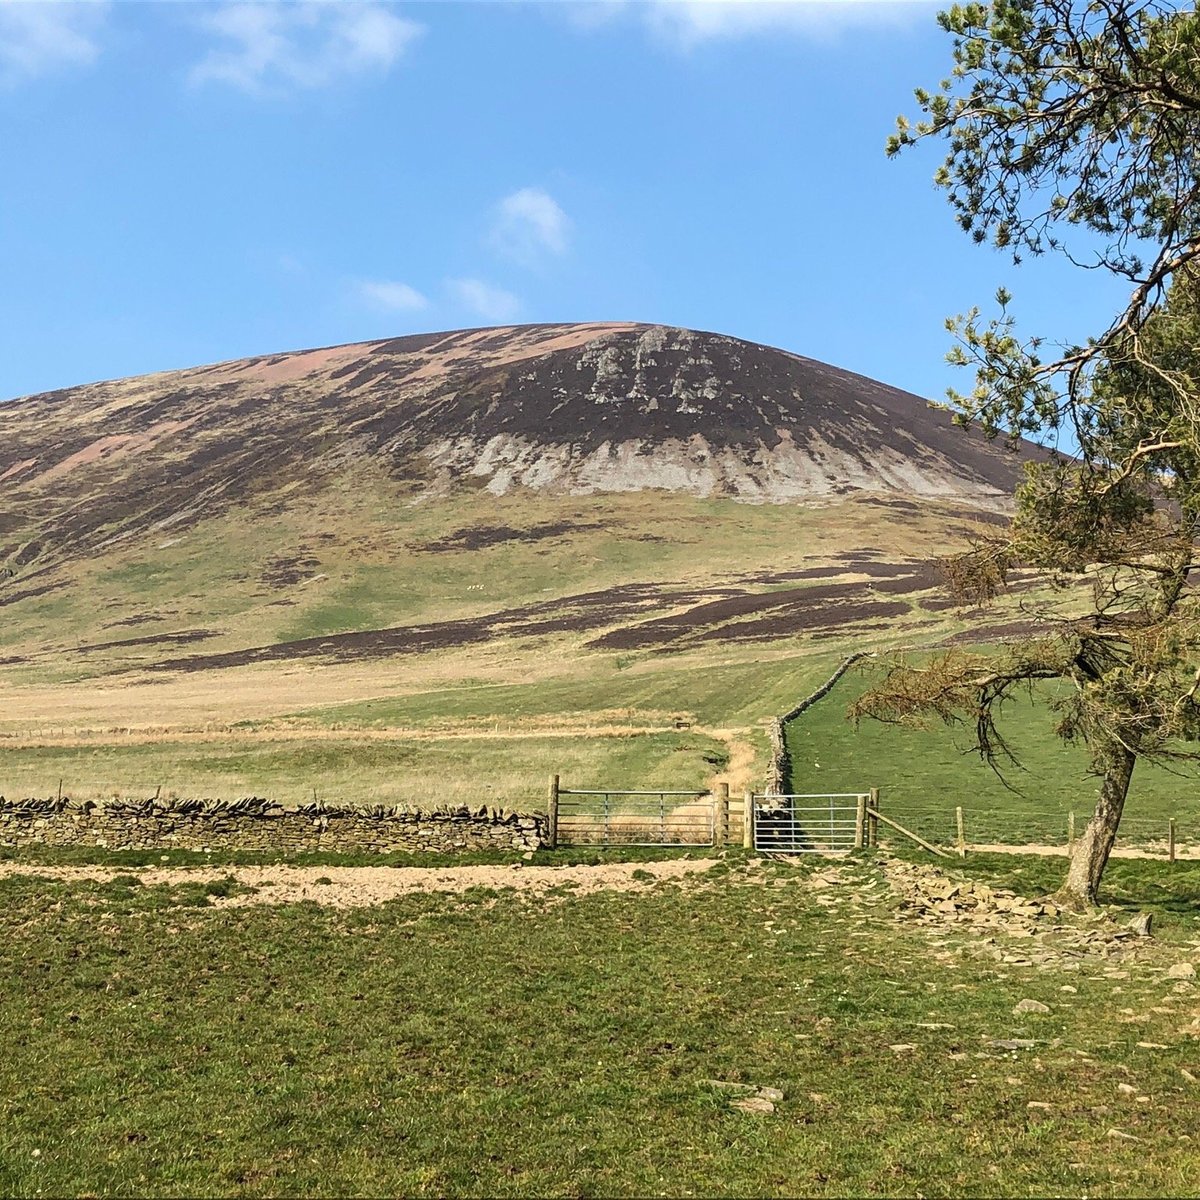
590,816
783,826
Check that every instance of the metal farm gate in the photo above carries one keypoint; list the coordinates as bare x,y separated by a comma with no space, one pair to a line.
810,824
584,817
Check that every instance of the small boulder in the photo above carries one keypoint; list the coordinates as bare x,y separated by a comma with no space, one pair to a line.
1030,1006
1182,970
1141,924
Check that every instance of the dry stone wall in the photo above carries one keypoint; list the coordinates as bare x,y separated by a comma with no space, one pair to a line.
779,768
257,824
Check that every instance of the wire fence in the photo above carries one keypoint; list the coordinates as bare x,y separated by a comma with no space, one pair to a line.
948,826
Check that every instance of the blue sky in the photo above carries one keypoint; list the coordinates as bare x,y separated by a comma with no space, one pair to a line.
191,182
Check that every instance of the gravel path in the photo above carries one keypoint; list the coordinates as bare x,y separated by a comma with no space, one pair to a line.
357,887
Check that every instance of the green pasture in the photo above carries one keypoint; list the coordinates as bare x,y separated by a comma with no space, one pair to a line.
492,1044
925,773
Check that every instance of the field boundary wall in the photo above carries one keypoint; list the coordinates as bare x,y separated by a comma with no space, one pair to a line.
779,768
257,824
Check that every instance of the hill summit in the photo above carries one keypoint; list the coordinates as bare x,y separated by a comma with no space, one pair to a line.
568,409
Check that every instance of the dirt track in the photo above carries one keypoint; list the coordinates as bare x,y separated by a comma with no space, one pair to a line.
360,887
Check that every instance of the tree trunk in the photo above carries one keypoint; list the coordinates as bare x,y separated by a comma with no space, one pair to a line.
1092,849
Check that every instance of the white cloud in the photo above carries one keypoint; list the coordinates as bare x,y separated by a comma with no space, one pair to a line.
37,38
273,45
529,225
391,295
686,23
484,300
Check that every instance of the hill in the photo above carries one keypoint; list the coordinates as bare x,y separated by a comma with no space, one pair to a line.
573,527
575,409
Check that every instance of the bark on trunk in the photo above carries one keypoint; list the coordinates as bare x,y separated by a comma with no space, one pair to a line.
1092,849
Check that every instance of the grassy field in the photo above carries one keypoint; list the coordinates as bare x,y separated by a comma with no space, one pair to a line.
480,713
492,1044
924,774
417,770
83,699
472,739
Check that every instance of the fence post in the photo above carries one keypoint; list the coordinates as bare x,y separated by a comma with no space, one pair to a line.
860,819
721,815
552,810
1171,839
961,831
748,821
872,820
1070,831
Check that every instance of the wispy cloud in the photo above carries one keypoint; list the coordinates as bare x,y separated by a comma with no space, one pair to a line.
529,225
390,295
38,38
684,24
485,300
276,45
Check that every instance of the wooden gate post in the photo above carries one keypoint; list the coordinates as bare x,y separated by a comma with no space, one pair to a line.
872,820
961,832
721,814
552,810
860,820
748,821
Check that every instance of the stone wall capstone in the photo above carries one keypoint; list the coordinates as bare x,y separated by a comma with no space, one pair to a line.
258,824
